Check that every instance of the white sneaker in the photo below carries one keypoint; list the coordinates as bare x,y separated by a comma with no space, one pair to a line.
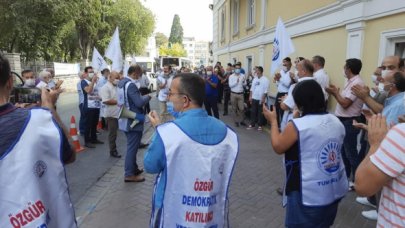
364,201
372,214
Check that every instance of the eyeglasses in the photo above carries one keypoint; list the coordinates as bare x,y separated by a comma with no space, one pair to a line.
171,94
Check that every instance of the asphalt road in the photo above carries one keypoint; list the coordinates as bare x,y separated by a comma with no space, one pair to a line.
90,164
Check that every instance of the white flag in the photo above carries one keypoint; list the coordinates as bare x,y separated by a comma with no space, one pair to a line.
282,46
126,67
98,63
133,61
114,53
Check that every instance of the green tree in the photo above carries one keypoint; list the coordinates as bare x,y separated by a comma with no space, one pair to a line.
31,28
176,33
135,23
161,39
175,50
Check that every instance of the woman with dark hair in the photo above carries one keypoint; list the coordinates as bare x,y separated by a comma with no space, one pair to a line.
311,144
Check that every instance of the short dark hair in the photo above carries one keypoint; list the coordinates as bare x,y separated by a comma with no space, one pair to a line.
287,59
5,70
309,97
168,65
259,68
134,68
193,86
399,81
105,70
87,68
319,60
219,63
230,65
26,72
307,65
354,65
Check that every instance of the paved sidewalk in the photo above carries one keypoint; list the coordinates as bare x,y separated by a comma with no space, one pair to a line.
253,199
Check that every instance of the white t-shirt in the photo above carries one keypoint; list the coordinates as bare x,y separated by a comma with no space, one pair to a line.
259,87
390,159
323,79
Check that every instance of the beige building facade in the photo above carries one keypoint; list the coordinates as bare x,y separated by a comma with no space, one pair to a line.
337,30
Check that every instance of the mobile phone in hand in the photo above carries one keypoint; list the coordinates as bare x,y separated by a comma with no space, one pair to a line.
25,95
269,103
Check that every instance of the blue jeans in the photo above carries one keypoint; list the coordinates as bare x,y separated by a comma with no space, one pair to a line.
349,149
81,120
298,215
133,142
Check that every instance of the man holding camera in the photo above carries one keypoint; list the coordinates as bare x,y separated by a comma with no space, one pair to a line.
33,152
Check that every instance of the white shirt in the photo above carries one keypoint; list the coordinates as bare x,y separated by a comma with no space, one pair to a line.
284,83
162,92
144,81
259,87
289,101
109,92
235,85
323,79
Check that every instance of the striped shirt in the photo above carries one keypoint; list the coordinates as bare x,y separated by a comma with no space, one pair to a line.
390,159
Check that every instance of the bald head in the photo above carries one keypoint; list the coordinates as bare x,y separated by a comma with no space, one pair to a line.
305,68
391,63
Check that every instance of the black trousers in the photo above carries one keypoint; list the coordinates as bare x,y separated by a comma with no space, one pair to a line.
210,103
227,98
279,111
90,120
256,113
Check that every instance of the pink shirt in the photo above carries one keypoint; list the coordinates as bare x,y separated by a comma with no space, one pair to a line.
390,159
354,109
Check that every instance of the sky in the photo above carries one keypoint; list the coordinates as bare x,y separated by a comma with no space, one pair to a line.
195,16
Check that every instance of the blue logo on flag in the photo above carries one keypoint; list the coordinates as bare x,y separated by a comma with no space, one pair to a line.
329,158
276,49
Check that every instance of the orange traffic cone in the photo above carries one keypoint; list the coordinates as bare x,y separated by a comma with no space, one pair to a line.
73,134
99,125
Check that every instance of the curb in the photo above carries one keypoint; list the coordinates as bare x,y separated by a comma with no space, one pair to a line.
95,194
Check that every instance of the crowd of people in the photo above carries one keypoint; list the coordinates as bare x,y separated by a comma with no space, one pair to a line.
320,150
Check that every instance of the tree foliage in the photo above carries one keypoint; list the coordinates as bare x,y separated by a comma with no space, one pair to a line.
60,30
175,50
176,33
161,39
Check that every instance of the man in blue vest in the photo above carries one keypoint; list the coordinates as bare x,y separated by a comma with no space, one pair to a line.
33,150
199,153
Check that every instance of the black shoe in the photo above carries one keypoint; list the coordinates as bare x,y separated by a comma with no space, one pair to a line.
115,155
242,123
225,114
143,145
89,145
97,142
237,124
139,171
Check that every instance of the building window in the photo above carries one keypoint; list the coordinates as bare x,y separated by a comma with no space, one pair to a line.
223,25
235,13
251,12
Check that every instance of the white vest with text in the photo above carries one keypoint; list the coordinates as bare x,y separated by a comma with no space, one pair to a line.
33,186
323,176
198,177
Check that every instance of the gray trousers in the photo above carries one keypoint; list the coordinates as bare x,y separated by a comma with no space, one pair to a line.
112,124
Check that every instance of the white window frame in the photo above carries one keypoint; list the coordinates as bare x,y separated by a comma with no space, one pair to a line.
247,57
235,17
251,13
223,18
387,42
